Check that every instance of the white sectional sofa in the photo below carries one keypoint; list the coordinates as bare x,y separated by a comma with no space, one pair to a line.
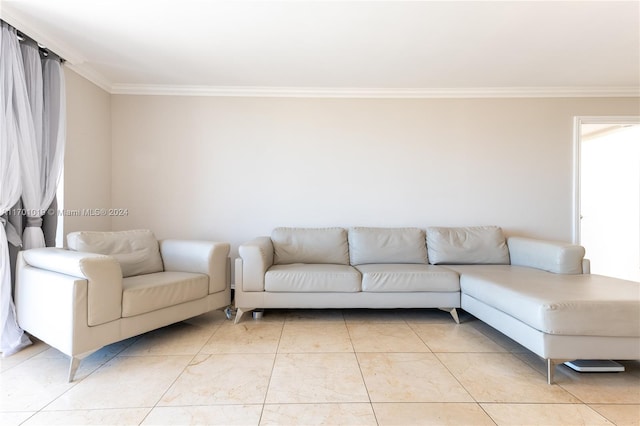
539,293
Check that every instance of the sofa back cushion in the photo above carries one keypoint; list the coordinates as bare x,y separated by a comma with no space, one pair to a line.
387,245
552,256
310,245
467,245
137,251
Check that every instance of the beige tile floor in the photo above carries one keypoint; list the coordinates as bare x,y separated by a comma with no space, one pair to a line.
306,367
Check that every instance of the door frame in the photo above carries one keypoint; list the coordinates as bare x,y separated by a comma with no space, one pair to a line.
578,121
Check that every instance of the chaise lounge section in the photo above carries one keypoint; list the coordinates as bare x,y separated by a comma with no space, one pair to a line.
547,301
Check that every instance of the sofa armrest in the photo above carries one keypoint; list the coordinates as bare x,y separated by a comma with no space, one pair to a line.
552,256
103,275
257,257
203,257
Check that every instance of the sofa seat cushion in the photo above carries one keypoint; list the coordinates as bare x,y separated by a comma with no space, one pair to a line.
311,278
150,292
408,277
563,304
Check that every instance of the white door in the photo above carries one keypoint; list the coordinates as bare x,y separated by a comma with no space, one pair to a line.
608,196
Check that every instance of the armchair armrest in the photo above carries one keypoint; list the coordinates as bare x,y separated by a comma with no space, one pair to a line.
103,275
257,257
552,256
204,257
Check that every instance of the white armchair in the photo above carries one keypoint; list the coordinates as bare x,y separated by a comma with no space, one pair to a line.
115,286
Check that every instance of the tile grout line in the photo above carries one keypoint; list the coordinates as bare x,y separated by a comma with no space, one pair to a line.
173,382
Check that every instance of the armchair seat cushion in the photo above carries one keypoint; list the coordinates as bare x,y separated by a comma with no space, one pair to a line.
407,277
150,292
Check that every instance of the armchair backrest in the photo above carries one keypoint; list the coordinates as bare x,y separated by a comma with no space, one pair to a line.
137,251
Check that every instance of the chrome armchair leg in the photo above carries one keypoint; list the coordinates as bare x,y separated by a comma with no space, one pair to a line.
73,367
229,312
75,363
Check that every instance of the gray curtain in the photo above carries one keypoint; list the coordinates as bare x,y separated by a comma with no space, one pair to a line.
16,131
42,164
32,140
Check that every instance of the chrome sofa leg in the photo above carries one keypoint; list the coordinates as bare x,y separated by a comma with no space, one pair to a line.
453,312
551,369
73,367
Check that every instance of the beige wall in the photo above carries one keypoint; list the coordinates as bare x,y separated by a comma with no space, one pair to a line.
233,168
87,166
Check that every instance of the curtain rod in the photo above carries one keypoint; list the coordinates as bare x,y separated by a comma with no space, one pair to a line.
44,50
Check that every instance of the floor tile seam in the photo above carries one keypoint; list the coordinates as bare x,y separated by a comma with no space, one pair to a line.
33,414
337,319
473,352
26,359
429,402
173,355
173,382
69,410
631,404
366,388
223,404
455,377
353,347
394,352
421,338
603,415
374,321
531,403
213,333
273,365
528,365
240,353
315,352
76,382
280,338
488,336
561,386
326,403
593,410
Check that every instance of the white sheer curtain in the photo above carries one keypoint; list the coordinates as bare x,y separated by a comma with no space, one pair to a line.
41,162
16,128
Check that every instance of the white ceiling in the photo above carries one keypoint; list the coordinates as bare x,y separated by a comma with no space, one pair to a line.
343,48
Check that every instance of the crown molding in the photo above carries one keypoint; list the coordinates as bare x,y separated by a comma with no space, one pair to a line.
94,77
403,93
76,62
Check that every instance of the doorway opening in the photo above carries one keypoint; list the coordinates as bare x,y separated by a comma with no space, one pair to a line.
607,194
